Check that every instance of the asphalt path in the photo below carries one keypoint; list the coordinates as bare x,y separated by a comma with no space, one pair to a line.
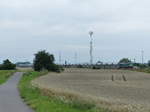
10,100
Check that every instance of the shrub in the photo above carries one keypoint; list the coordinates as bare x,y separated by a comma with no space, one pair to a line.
95,67
7,65
79,66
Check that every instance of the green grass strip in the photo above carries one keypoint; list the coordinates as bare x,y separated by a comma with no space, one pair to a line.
5,74
41,103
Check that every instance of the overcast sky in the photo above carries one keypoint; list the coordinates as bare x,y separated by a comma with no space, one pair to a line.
121,29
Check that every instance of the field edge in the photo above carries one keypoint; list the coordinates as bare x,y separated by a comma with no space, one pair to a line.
38,100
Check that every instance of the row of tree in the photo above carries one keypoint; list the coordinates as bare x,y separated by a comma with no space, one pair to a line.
43,61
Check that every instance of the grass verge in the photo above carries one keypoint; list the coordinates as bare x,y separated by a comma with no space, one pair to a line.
5,74
42,103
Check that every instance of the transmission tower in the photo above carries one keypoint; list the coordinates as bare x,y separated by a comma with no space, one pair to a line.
91,47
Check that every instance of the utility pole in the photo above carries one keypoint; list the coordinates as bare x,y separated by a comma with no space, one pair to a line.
91,47
134,60
142,57
60,58
75,58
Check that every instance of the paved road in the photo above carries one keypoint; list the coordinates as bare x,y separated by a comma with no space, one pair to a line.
10,100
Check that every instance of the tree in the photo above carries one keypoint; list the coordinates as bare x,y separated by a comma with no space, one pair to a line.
149,63
7,65
43,60
125,60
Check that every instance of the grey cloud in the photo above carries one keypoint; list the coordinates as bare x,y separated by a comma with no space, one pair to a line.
64,25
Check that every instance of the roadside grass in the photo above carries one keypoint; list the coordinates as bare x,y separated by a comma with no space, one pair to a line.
42,103
5,74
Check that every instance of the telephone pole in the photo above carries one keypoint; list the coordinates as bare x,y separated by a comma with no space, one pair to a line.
60,58
91,47
142,57
75,58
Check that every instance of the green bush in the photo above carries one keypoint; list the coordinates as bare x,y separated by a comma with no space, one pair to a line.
95,67
80,66
7,65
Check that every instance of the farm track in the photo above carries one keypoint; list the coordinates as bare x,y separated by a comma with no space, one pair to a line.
133,90
10,100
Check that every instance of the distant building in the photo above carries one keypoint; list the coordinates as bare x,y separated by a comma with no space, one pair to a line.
24,64
125,65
